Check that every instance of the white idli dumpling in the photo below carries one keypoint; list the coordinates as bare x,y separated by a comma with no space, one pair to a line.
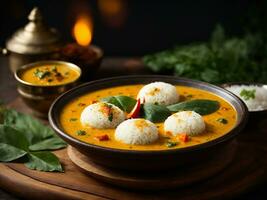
136,131
102,115
184,122
159,92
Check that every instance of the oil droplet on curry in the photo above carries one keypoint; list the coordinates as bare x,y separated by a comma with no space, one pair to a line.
217,124
57,74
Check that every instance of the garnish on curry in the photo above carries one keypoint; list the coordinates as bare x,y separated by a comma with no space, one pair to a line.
219,119
49,75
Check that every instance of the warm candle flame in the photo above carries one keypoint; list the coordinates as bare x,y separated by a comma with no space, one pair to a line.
83,30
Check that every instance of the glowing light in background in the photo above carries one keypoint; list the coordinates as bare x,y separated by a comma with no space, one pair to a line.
83,30
114,12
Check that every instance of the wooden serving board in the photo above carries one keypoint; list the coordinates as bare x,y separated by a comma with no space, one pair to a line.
247,169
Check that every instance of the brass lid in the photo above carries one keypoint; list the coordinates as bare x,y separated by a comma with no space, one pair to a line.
35,37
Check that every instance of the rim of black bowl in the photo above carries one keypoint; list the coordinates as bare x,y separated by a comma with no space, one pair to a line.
66,97
224,85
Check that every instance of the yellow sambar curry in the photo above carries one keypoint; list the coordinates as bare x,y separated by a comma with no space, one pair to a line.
215,127
50,75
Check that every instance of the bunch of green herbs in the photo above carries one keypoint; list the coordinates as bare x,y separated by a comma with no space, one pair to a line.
219,60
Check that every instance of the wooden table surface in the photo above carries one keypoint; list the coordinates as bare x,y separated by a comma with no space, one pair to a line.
110,67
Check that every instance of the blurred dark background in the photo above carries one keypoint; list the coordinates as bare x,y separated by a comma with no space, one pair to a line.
132,27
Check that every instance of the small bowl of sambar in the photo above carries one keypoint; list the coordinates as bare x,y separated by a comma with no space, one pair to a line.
40,83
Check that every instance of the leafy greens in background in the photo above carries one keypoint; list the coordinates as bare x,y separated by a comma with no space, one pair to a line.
22,136
217,61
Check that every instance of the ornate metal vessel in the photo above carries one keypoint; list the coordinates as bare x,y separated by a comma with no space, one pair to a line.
33,42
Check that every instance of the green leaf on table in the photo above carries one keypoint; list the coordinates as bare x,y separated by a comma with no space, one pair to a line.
32,128
155,113
21,135
125,103
52,143
201,106
13,144
43,161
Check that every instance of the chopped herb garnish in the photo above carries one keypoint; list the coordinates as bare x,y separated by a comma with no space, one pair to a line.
54,69
73,119
222,120
171,144
110,114
110,117
248,94
41,74
81,132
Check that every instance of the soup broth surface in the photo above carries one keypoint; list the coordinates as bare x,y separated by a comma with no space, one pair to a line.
70,119
52,74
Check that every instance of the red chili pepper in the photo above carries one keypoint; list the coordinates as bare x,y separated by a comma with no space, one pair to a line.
102,137
183,137
135,111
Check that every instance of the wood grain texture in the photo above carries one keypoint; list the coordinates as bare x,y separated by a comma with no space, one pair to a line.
155,180
247,169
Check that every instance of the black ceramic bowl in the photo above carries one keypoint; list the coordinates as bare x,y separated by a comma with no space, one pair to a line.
148,160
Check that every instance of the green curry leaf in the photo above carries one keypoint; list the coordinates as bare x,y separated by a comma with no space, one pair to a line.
155,113
13,144
21,134
52,143
43,161
125,103
201,106
33,129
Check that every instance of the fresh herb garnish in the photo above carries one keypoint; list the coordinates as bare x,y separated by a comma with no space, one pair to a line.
81,132
171,144
41,74
248,94
155,113
123,102
54,69
222,120
108,111
201,106
158,113
23,136
110,116
73,119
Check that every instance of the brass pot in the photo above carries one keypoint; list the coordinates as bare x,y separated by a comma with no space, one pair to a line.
40,97
35,41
